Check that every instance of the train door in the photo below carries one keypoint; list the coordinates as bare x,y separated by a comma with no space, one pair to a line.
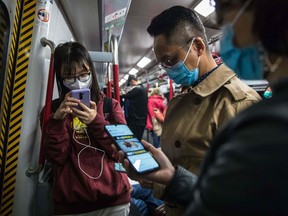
23,80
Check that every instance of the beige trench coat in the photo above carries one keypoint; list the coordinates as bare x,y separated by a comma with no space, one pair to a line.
193,118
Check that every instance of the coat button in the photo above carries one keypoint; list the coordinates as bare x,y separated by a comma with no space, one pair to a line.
177,144
197,101
228,82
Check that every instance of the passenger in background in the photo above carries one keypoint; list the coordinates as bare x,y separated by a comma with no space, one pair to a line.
246,170
267,93
214,94
155,105
144,200
135,106
84,180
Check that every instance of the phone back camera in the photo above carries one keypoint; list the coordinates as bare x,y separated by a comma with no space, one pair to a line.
81,95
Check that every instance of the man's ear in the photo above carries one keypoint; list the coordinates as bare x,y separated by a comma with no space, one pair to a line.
199,46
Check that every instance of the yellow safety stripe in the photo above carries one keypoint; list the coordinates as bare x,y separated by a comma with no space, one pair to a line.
14,100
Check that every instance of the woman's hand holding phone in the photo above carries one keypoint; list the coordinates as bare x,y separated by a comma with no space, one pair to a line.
87,114
66,107
163,175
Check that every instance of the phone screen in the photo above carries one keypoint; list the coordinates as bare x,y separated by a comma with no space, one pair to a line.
141,160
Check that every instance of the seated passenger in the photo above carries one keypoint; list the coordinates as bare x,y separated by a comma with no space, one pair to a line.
144,200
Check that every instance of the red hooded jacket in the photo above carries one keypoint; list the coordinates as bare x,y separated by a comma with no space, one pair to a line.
73,155
154,102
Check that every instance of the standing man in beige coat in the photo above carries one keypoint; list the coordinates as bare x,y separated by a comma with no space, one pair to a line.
214,94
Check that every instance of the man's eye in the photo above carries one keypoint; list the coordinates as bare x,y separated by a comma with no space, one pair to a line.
168,62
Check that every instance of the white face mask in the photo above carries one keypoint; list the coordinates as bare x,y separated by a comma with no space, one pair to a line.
78,84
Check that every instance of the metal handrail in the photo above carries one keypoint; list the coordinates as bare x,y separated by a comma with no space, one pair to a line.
47,109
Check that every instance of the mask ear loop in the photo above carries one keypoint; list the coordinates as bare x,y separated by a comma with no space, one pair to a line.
241,11
188,50
198,61
188,53
88,146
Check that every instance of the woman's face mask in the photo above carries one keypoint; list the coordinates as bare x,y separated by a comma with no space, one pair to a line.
79,82
181,74
246,62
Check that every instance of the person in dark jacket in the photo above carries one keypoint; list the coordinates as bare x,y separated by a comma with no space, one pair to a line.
135,106
84,180
246,171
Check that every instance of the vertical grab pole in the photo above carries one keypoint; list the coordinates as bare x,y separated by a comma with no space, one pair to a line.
49,94
114,50
109,84
171,88
109,68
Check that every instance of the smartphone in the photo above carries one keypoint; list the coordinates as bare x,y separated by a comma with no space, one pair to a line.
83,95
118,167
140,159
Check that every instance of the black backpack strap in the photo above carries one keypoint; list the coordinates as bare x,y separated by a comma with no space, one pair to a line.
107,106
55,105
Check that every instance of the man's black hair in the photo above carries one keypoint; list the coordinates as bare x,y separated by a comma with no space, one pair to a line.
179,25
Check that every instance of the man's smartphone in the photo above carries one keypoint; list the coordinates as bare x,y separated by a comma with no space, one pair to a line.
83,95
118,167
140,159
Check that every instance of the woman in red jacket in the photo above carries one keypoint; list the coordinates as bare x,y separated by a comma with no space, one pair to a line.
156,109
84,180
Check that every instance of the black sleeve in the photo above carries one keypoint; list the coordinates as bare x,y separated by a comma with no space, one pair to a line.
180,189
247,174
132,93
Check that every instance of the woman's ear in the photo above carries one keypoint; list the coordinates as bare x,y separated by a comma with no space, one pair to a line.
199,46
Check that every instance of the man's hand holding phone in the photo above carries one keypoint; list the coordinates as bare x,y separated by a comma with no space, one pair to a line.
163,175
140,159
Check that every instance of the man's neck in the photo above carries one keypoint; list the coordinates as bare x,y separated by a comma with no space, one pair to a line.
206,65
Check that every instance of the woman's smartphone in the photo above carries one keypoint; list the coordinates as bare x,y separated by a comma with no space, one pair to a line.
83,95
140,159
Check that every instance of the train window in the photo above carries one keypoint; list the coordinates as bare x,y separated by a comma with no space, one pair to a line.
4,39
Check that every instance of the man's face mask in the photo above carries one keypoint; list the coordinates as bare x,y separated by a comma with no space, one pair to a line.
78,82
245,62
181,74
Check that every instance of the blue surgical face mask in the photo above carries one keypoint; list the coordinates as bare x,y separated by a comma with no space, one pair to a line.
181,74
246,62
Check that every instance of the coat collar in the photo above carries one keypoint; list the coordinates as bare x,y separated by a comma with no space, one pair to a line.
213,82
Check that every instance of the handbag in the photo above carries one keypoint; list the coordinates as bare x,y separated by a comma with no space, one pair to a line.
157,126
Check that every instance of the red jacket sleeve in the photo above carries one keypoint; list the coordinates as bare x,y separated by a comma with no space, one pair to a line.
57,140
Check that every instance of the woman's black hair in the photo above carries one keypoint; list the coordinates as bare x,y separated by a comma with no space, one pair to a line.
271,25
66,57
